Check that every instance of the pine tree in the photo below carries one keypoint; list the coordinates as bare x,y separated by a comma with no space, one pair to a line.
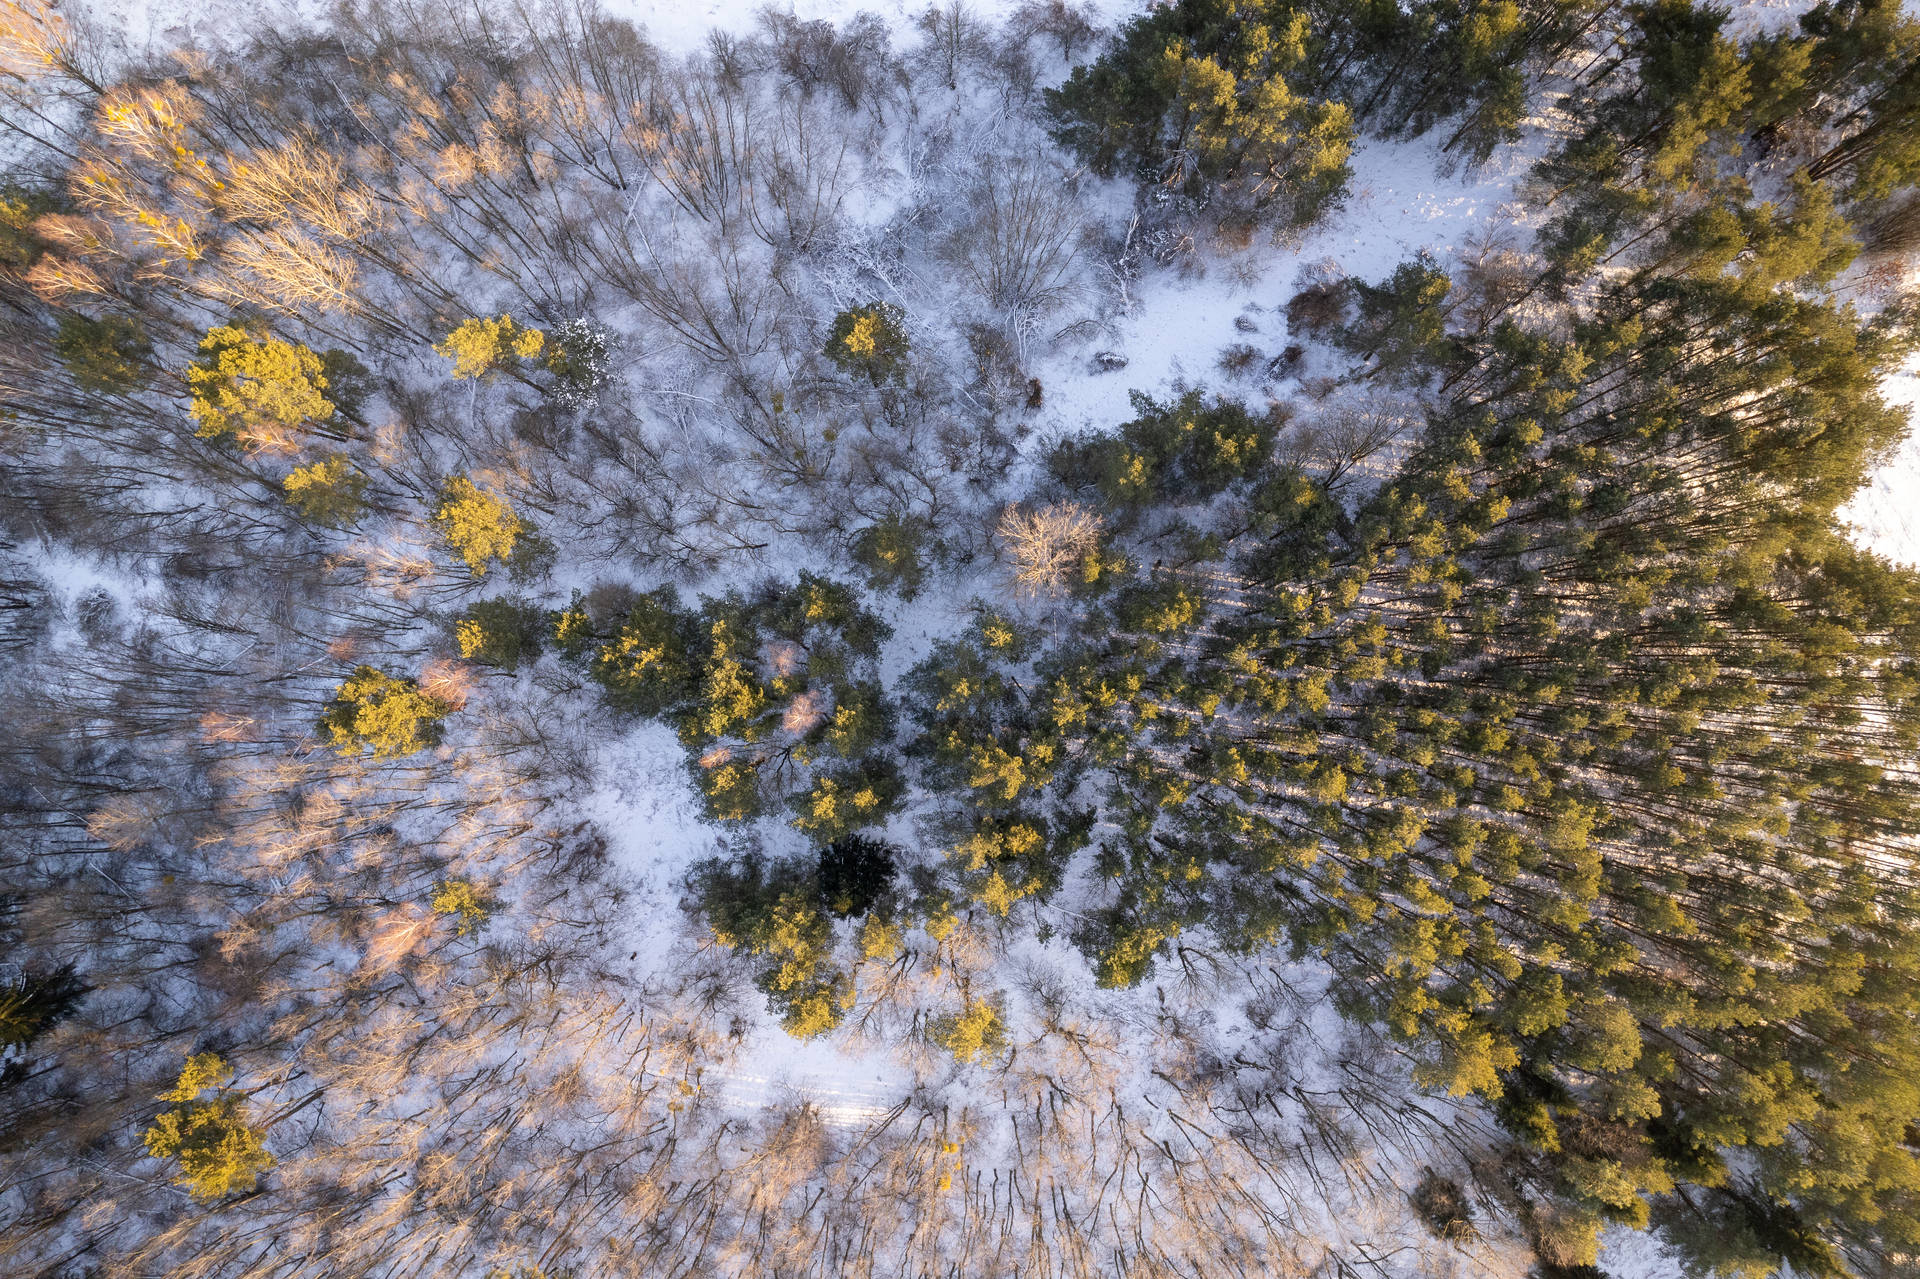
500,632
259,390
220,1152
870,340
1202,97
106,355
462,901
481,347
35,1002
384,714
478,524
329,490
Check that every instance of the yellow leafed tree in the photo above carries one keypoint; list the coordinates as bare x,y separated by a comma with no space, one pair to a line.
478,524
480,346
218,1150
258,390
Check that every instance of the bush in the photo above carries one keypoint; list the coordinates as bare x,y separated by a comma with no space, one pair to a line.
1318,309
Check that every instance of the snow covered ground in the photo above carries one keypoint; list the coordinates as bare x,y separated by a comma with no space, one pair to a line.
1886,513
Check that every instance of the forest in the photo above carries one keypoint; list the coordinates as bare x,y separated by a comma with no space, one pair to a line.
617,660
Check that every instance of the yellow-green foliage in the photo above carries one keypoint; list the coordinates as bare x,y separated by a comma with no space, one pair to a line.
831,808
976,1032
732,790
869,339
329,491
201,1072
880,939
499,632
1127,960
734,699
461,899
860,340
810,1015
572,628
471,636
478,524
985,849
218,1151
383,713
799,941
798,938
247,386
479,346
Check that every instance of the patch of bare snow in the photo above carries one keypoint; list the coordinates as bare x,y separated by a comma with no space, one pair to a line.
1885,514
1401,202
646,806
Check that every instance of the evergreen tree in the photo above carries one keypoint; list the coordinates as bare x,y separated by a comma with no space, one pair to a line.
478,524
854,871
481,347
770,910
500,632
774,696
35,1002
259,390
1203,97
385,714
1574,751
106,355
329,490
219,1151
870,340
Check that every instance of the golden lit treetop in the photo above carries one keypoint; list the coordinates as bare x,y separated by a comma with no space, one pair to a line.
383,713
259,390
870,340
328,491
219,1151
481,346
478,524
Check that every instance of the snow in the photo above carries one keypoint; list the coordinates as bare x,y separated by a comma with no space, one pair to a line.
1400,205
647,808
1885,514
